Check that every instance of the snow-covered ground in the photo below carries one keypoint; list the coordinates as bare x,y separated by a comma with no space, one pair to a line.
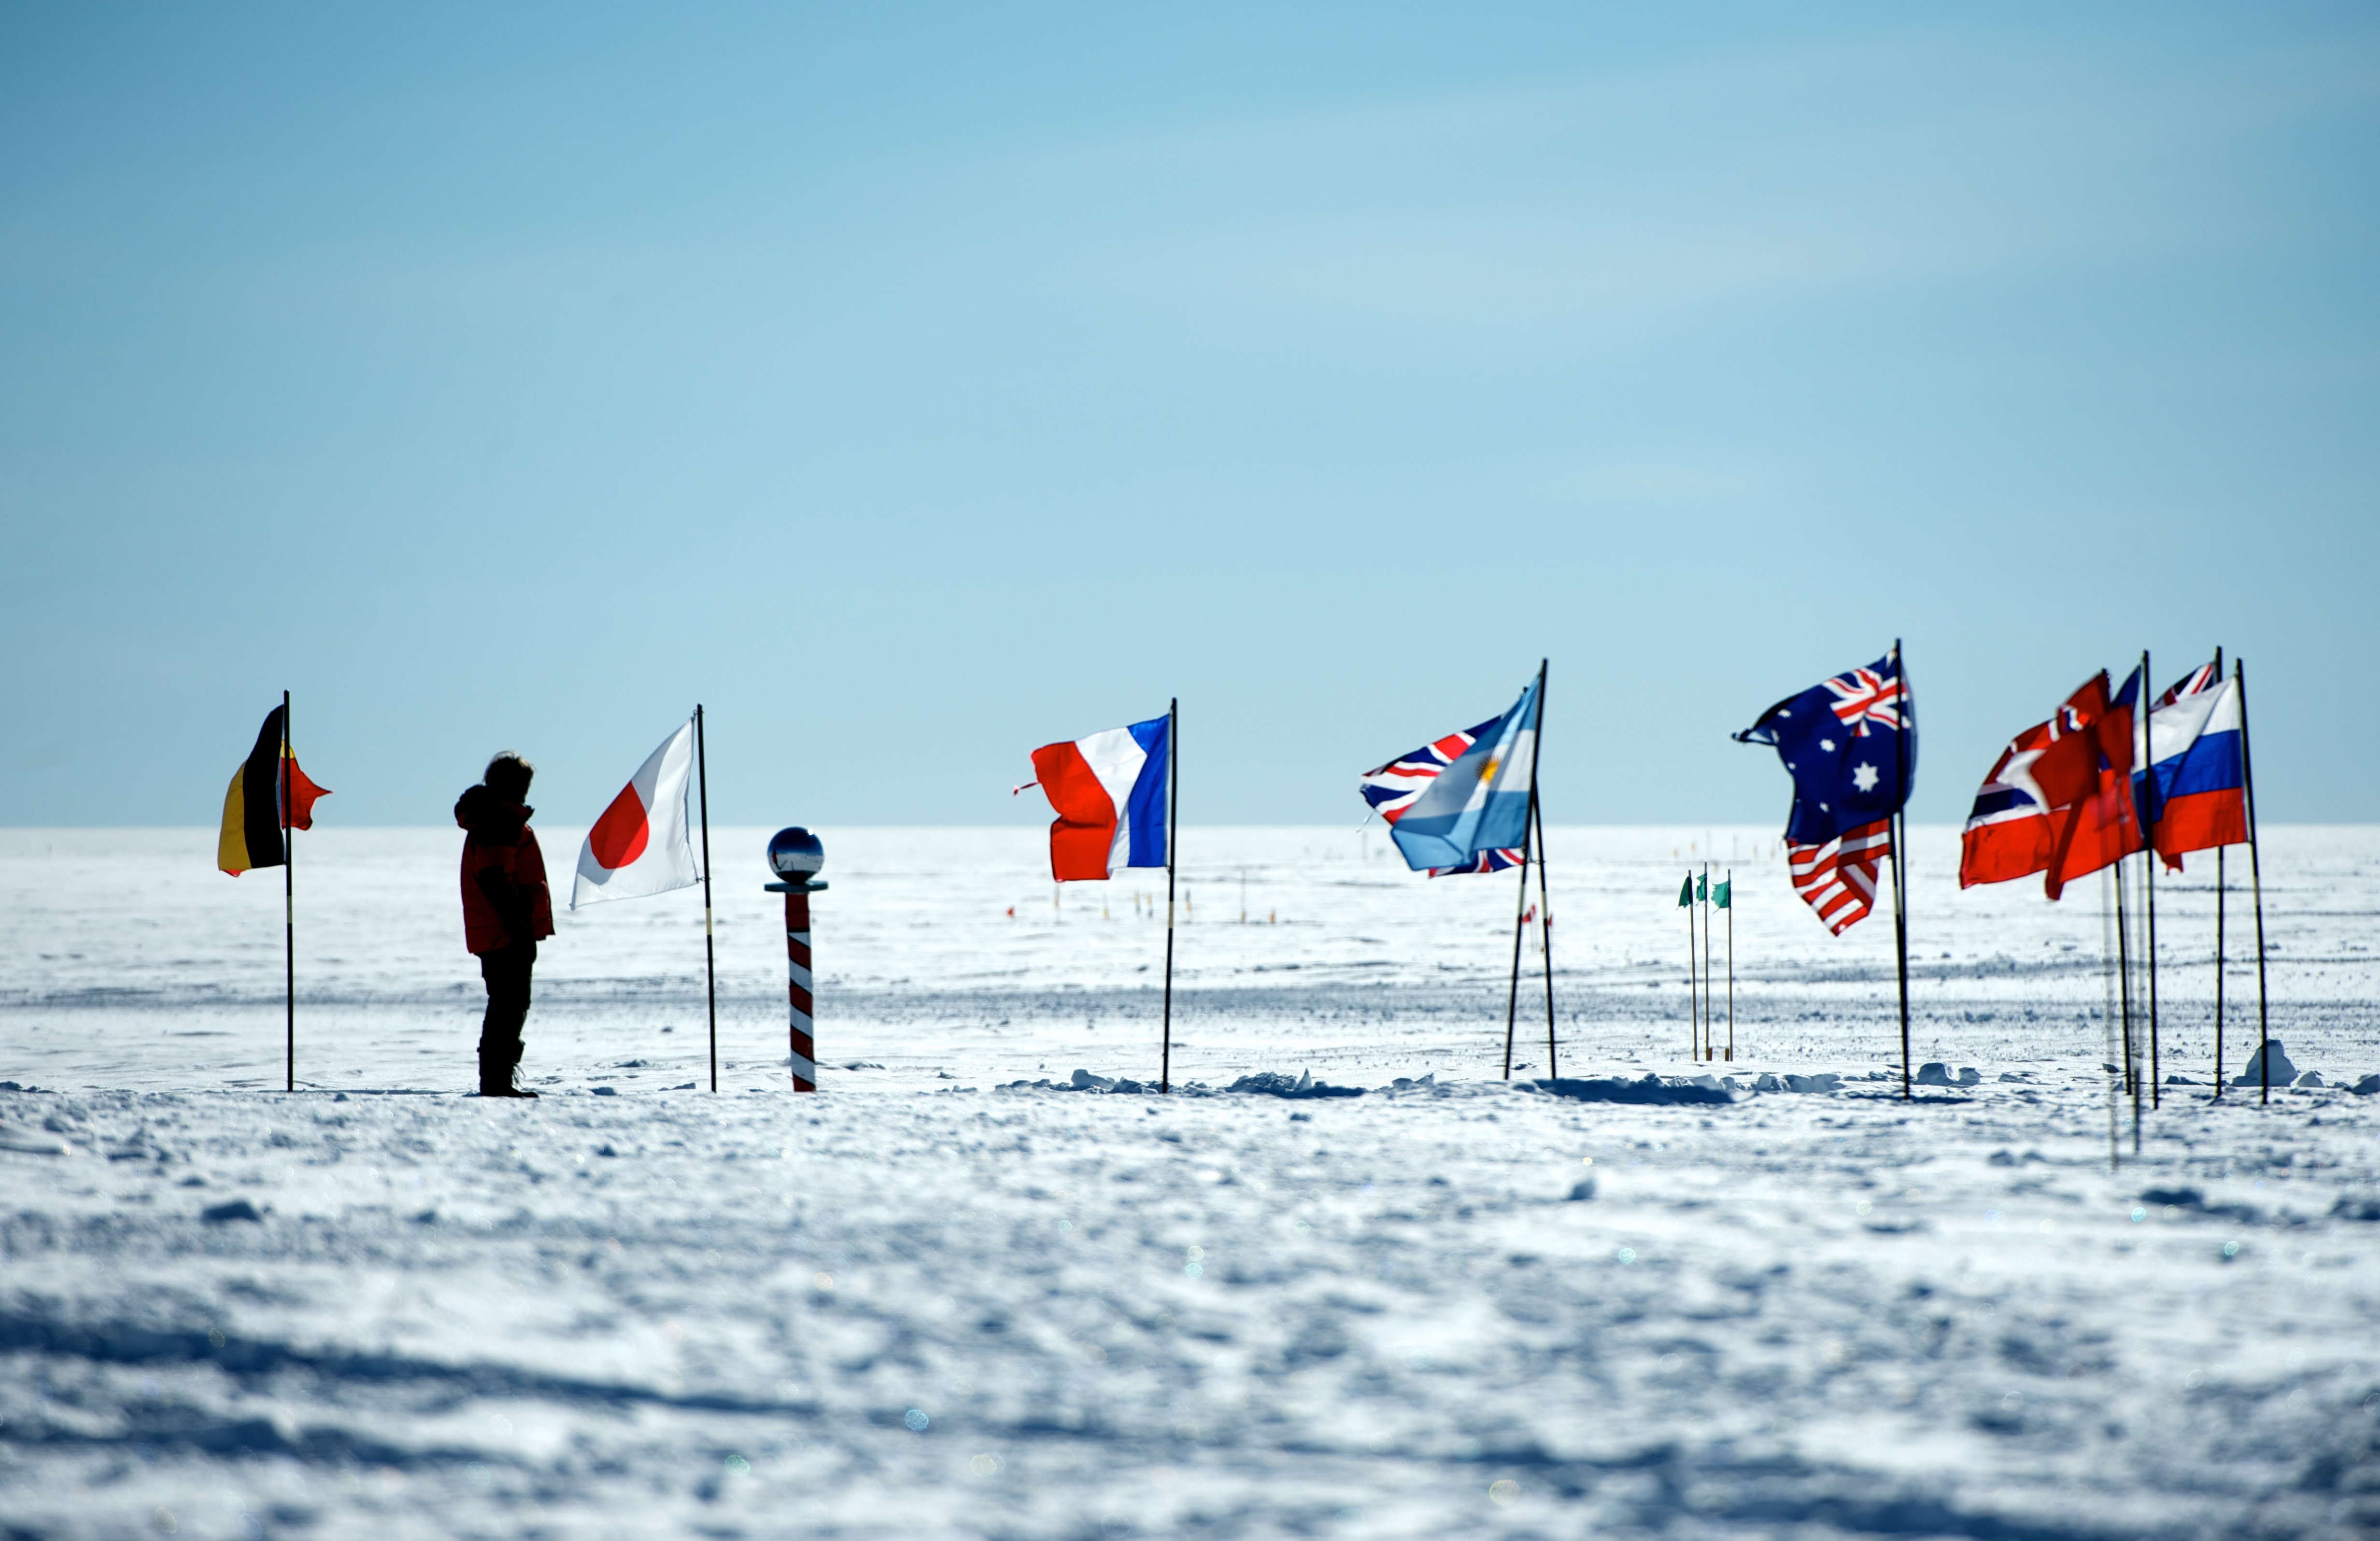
932,1302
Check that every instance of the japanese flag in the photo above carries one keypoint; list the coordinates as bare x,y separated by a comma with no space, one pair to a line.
641,844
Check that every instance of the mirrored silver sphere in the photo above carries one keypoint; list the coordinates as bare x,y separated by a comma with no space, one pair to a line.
796,854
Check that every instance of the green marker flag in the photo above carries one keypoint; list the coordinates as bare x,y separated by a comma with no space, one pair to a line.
1720,895
1686,894
1703,891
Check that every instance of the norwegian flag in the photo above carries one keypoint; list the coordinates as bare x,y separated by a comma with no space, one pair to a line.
1392,788
1850,744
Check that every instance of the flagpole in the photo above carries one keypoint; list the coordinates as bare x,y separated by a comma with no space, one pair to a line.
1899,860
1731,965
1519,928
2218,929
709,959
1693,1011
1545,900
1703,898
2124,977
1520,899
1172,813
1544,923
2256,882
288,908
2148,869
2107,1025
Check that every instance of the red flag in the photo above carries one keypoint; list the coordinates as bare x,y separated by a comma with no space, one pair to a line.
2101,825
2014,828
302,793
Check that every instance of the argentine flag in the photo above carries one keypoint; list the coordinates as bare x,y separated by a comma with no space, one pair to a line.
1479,803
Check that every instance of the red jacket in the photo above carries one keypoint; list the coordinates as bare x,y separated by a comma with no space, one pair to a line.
503,873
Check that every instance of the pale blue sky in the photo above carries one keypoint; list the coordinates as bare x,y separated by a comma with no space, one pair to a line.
916,384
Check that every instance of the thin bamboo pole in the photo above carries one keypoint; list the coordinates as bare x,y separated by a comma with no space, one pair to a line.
1693,1011
1731,965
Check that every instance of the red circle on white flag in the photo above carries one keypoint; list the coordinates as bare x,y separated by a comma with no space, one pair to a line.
620,836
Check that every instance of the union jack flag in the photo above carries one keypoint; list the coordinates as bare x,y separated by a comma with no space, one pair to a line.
1863,696
1392,788
2196,682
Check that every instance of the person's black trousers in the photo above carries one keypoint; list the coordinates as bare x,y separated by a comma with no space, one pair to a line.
506,970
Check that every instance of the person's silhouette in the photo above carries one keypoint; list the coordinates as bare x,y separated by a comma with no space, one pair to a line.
505,910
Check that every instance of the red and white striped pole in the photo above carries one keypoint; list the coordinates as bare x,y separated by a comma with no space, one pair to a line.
796,854
797,958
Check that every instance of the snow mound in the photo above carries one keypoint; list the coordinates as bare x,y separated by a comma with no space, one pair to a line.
2267,1066
1269,1082
32,1142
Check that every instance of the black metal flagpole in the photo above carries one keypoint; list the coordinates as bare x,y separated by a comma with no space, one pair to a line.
2124,971
1521,900
710,958
2256,882
2148,868
1544,926
288,908
2218,929
2108,1025
1545,900
1172,812
1519,928
1899,857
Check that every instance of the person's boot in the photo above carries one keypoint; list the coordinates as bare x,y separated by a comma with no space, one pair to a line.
498,1082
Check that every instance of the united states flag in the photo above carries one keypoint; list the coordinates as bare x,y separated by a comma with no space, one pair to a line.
1850,742
1838,879
1392,788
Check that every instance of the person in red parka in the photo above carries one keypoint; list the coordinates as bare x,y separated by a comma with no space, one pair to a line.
507,910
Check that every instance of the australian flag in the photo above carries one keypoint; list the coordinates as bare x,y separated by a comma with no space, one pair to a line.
1851,745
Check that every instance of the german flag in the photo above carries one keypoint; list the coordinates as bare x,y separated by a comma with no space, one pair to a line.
251,817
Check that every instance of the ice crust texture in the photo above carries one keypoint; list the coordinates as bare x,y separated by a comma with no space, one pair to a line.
385,1309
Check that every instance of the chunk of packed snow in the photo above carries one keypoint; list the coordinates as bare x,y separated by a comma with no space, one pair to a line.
2267,1067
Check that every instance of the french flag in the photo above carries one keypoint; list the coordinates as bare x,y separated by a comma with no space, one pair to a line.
1109,791
2197,778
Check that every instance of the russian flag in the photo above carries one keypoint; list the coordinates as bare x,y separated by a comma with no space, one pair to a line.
1108,790
2195,755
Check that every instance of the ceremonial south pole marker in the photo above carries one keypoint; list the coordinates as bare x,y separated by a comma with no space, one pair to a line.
796,856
